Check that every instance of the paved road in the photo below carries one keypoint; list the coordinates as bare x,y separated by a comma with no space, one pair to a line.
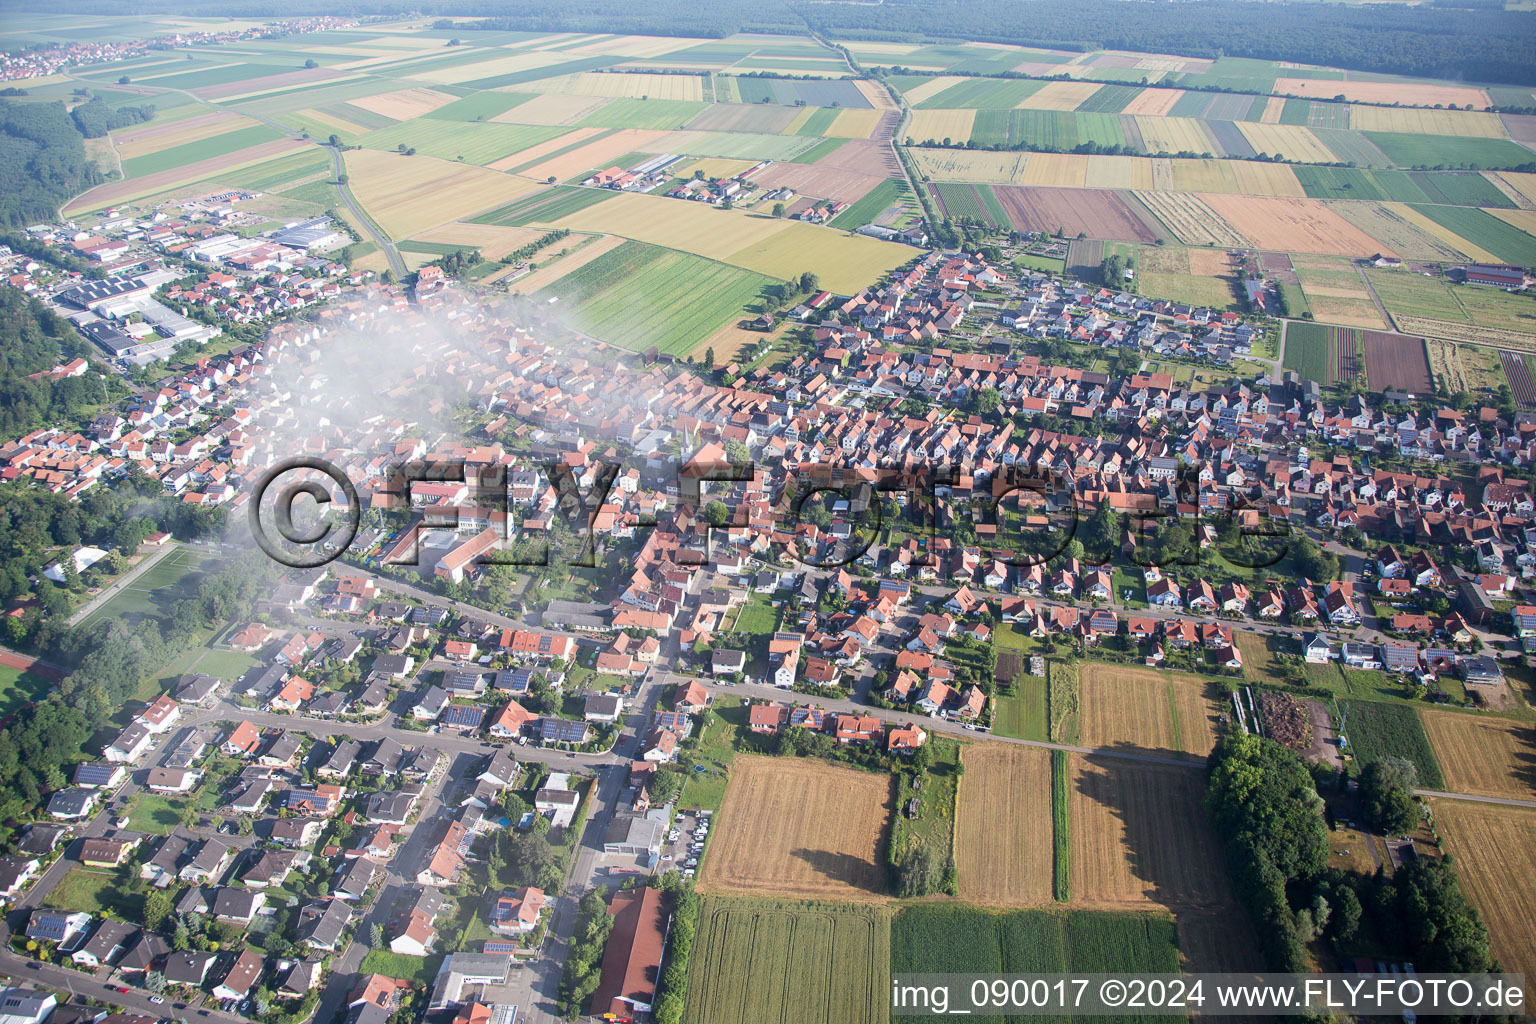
125,580
339,167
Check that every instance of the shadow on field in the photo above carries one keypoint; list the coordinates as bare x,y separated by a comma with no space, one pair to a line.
840,867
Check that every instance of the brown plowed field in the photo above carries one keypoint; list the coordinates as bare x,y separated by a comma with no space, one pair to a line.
1397,361
1519,376
1003,842
865,156
1094,212
800,828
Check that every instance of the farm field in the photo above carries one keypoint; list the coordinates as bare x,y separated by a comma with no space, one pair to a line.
1140,838
639,295
1190,220
1495,851
470,142
1309,351
546,206
1396,362
1200,277
801,828
1378,730
765,961
1396,232
1002,835
1291,225
1099,214
1483,756
1507,242
873,204
1167,713
408,195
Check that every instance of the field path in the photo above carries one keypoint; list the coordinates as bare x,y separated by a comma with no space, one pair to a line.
1371,291
121,582
1505,801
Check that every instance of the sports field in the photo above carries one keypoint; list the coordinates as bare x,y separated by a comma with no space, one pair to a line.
769,961
800,828
153,592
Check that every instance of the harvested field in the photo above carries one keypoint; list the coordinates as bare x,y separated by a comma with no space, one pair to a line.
404,104
1056,170
510,64
1291,225
1388,93
862,155
1495,851
1123,172
841,261
1154,102
550,108
1060,96
1483,756
1395,231
1292,141
760,961
246,85
1099,214
1525,184
854,124
930,87
1165,712
1191,220
1140,838
938,125
802,828
151,137
1396,362
494,241
1426,121
1274,107
1175,135
816,180
595,154
115,192
1524,220
408,195
1003,847
966,165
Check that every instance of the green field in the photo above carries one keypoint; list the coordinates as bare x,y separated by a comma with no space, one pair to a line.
282,173
18,688
1486,231
643,114
1407,294
91,891
956,939
1046,129
1408,149
1378,730
547,206
419,969
1111,99
1023,714
982,94
965,200
820,120
203,149
762,961
473,142
478,106
641,295
1061,825
1309,350
821,150
872,205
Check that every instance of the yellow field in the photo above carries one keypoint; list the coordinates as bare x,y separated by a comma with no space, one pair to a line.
1446,235
1174,135
799,828
333,122
974,165
930,87
853,124
142,139
408,195
879,97
1119,172
1153,102
1167,712
844,262
1290,140
550,272
1203,176
1274,107
1495,851
1483,756
633,46
493,240
941,124
1524,183
1258,179
1062,170
1140,838
507,65
551,108
1426,121
597,153
1191,220
799,122
1060,96
404,104
1004,853
1525,220
614,86
1348,312
1382,92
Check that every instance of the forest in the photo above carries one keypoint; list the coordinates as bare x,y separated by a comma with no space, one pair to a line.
42,162
95,117
33,338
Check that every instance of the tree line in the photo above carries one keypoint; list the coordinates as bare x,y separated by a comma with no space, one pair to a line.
96,117
42,162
